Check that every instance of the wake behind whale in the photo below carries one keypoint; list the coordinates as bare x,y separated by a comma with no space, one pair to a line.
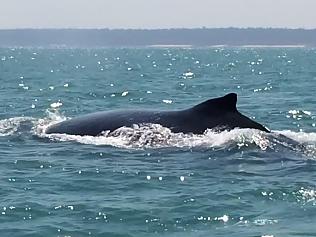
220,113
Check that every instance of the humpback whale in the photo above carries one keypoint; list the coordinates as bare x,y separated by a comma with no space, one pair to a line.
220,113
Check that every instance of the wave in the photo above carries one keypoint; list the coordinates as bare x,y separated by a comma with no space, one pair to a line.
157,136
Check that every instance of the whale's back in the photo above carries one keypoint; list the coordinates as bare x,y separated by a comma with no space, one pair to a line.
95,123
219,112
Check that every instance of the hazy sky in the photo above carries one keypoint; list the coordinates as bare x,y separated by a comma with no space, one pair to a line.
156,13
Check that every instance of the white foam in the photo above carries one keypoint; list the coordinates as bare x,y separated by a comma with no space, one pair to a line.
301,137
56,105
10,126
42,124
157,136
188,75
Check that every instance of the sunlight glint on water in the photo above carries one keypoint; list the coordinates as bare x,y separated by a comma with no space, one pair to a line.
146,180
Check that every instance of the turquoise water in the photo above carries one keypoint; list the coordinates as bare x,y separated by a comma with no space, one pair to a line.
147,181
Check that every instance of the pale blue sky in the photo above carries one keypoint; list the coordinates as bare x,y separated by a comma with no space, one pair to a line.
151,14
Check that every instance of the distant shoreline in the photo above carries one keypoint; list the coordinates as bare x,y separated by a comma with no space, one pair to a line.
171,38
227,46
170,46
273,46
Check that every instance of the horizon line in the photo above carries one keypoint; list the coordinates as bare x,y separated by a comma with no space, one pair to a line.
154,29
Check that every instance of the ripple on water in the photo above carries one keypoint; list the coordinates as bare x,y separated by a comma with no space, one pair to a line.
147,179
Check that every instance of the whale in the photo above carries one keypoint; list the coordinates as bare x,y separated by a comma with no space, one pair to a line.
218,113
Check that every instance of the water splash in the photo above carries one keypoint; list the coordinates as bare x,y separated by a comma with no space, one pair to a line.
156,136
302,137
53,117
11,125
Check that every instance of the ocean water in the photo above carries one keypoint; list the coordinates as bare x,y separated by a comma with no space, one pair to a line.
146,180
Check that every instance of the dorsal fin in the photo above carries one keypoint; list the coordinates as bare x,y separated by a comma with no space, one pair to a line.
226,103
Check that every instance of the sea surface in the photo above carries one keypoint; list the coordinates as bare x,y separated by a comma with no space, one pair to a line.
146,180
